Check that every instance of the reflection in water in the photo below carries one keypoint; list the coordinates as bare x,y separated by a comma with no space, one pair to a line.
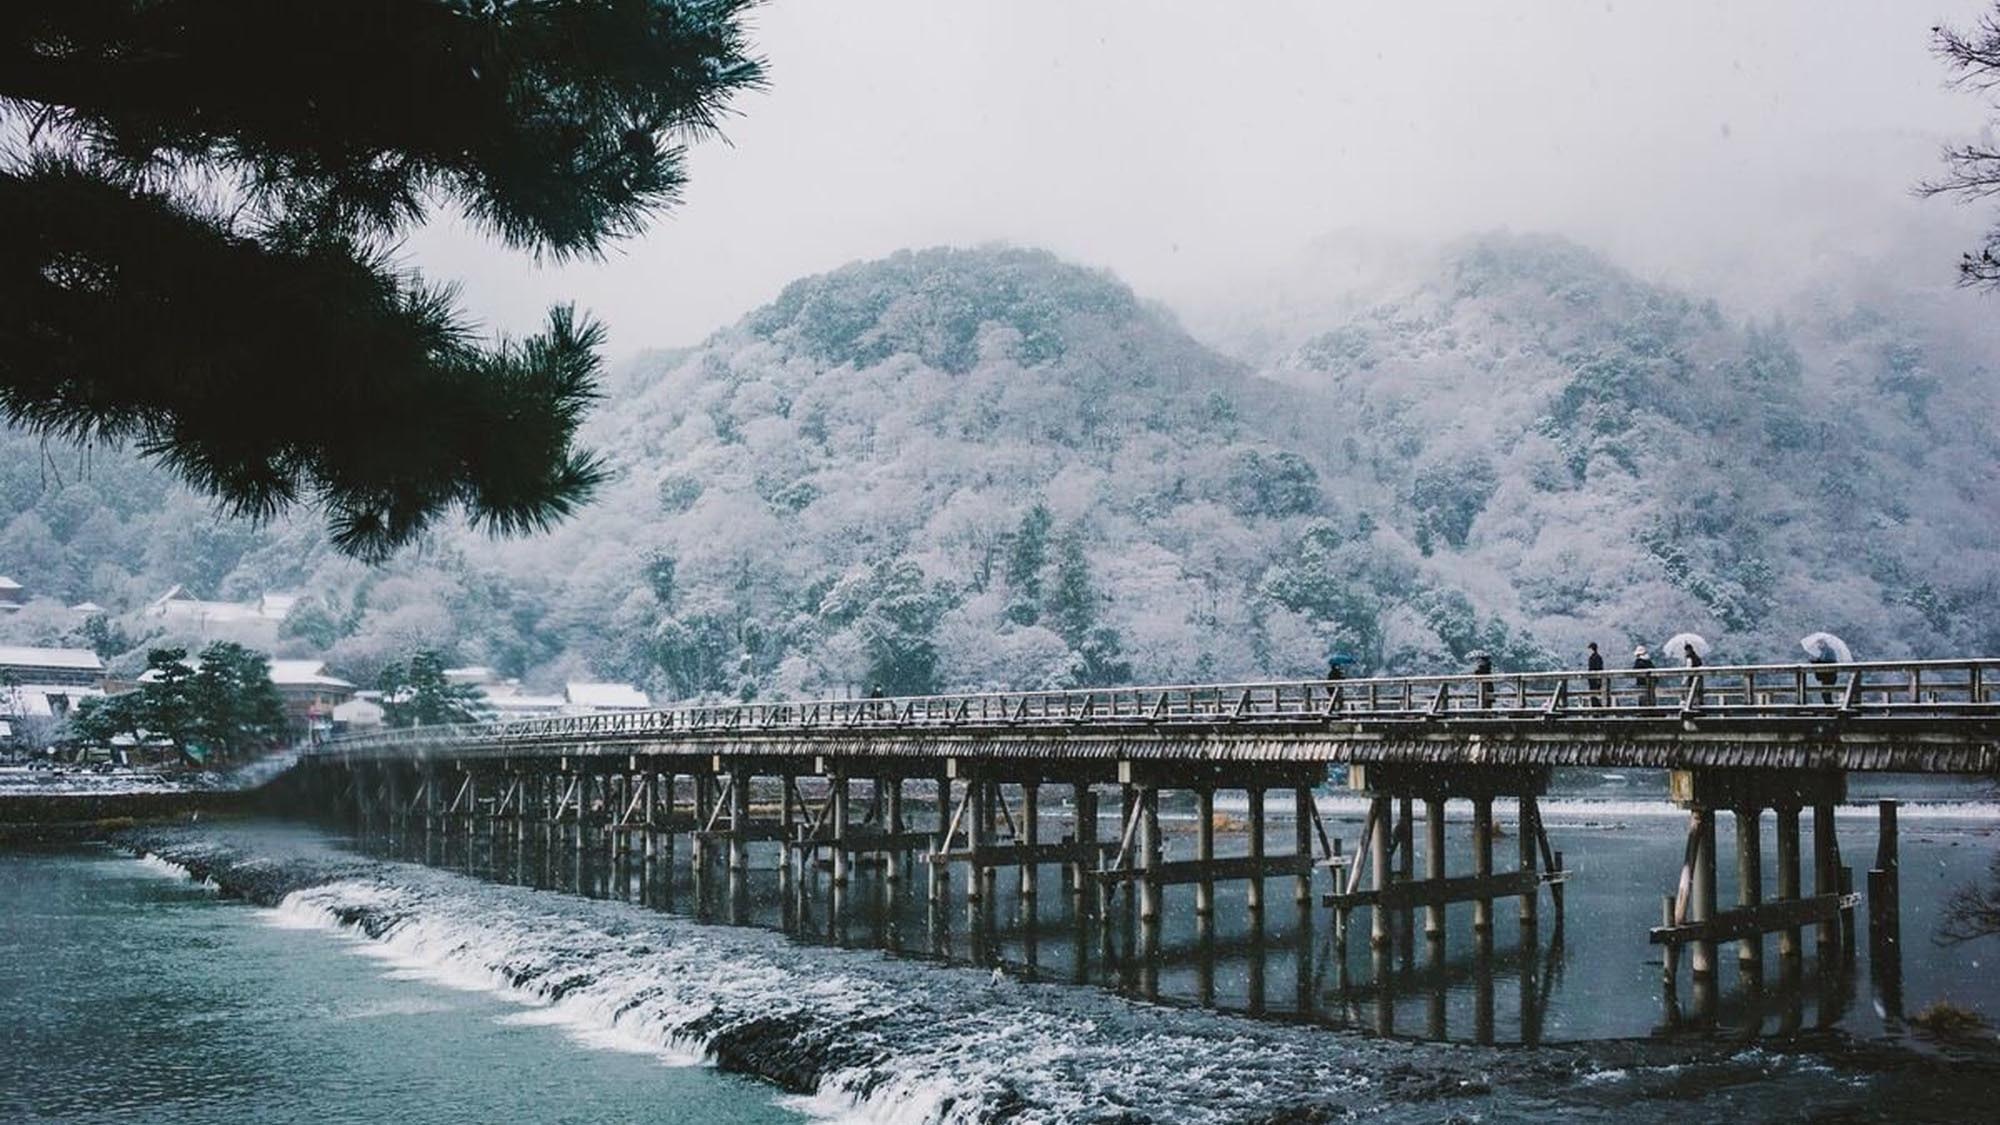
1434,978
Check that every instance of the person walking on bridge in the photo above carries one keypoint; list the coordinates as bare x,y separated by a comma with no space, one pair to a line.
1482,665
1642,661
1598,697
1691,660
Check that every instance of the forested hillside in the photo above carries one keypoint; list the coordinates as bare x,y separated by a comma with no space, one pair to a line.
966,468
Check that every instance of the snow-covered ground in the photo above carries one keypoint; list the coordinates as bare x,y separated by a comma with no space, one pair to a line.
64,781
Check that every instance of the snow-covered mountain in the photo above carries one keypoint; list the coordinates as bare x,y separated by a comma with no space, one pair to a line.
959,468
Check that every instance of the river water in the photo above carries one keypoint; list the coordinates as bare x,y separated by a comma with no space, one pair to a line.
357,986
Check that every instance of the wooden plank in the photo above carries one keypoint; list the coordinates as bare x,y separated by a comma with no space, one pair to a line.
1010,855
1233,867
1459,888
861,842
756,832
1782,914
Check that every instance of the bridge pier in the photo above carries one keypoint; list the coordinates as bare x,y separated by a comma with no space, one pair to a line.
1388,839
1690,916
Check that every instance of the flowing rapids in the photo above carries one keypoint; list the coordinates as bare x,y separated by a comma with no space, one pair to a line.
858,1034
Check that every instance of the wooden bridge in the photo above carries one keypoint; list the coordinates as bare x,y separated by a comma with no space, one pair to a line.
1738,739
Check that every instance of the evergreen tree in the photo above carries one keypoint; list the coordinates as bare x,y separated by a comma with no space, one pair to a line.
1030,552
221,707
234,709
200,210
1072,611
417,693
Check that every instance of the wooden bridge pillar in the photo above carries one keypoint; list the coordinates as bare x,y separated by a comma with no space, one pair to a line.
1482,860
1031,833
1149,854
940,874
1304,815
894,864
1378,863
739,823
1085,832
1826,876
1526,830
1204,852
1790,948
1434,864
1701,894
1750,889
839,815
1254,891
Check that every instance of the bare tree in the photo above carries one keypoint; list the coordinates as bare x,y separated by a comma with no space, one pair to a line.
1972,171
1972,911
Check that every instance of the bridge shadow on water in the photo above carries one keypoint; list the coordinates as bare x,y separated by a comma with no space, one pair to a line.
1286,961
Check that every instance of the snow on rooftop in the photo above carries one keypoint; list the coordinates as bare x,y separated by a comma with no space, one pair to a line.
34,701
23,656
304,673
614,697
7,583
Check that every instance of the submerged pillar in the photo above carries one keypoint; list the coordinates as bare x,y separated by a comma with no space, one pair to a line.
1482,860
1750,890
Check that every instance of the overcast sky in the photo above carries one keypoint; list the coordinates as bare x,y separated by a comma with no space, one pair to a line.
1185,145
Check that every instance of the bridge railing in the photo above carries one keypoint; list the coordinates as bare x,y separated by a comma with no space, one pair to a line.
1876,690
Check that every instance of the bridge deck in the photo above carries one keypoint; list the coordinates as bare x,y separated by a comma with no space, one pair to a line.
1933,716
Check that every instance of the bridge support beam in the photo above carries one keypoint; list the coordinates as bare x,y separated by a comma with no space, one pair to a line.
1690,916
1388,840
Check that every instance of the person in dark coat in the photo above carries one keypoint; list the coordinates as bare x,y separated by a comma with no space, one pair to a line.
1482,665
1825,676
1333,671
874,708
1642,661
1692,659
1596,664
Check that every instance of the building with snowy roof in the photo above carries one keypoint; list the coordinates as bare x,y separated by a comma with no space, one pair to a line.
26,664
583,697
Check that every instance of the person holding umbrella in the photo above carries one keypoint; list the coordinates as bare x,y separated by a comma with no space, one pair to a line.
1825,648
1693,648
1335,672
1642,661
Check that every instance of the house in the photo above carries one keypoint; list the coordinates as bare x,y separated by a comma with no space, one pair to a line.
259,618
507,700
582,698
362,713
75,666
13,595
40,687
311,694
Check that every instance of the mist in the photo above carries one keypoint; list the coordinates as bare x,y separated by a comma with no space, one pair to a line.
1733,148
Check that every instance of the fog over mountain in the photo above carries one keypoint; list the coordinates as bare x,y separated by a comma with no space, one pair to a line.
984,467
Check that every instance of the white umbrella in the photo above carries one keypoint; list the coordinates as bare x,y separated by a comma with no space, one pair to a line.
1817,644
1672,649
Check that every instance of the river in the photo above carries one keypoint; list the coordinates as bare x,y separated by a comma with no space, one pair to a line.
335,981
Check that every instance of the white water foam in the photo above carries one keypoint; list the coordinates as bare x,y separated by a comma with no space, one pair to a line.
911,1044
168,869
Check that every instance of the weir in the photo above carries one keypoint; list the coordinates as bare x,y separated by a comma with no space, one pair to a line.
962,787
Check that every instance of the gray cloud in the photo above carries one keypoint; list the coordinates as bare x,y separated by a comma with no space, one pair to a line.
1187,145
